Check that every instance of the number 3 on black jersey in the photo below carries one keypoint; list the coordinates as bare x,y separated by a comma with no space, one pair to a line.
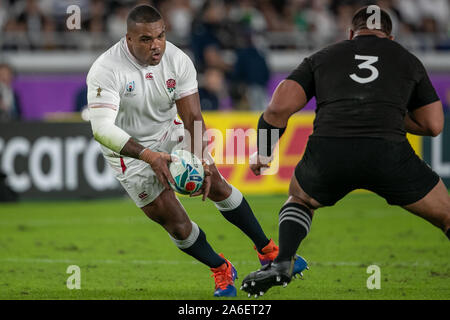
367,64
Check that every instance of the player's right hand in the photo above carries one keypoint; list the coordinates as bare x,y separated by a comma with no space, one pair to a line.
206,186
258,163
158,161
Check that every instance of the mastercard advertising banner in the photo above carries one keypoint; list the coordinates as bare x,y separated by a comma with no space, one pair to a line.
232,139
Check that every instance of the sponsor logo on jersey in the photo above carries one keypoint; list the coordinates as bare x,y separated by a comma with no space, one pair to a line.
143,195
99,90
171,85
149,76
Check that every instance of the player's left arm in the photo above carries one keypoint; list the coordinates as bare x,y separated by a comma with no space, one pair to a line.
189,111
289,97
425,116
187,101
427,120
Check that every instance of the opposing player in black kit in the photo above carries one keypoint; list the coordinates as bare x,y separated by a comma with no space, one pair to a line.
370,92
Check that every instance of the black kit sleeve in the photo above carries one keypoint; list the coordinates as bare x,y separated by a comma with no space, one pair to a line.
423,92
304,76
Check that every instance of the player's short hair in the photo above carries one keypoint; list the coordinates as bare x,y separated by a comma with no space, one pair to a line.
143,14
359,21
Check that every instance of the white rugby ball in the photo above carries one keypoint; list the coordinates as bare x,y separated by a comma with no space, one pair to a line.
187,171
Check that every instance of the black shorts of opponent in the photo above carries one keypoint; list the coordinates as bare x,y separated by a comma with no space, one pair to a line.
332,167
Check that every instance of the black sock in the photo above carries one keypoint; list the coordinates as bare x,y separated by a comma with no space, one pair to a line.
448,234
295,222
202,251
243,218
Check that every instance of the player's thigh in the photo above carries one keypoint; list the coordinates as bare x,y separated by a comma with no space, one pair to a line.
434,207
167,210
140,182
324,175
298,195
159,204
396,173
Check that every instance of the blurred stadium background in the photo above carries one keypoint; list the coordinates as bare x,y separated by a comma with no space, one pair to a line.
242,50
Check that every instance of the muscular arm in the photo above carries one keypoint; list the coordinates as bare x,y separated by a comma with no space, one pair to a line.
132,149
288,98
426,121
108,134
111,136
189,111
102,117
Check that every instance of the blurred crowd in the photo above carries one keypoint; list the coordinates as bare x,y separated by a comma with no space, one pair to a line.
227,39
41,24
9,101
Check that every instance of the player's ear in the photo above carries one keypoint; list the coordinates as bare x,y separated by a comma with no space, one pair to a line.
128,37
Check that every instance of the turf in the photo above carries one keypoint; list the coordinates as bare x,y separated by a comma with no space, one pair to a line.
123,255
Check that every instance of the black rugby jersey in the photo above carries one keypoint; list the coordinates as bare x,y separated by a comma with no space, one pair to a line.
364,88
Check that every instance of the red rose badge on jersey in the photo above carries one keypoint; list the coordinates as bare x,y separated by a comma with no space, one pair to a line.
149,76
171,83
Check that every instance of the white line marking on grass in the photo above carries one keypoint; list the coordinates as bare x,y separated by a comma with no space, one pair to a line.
72,222
242,262
106,261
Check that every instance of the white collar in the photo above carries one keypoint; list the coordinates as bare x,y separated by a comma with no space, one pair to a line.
129,55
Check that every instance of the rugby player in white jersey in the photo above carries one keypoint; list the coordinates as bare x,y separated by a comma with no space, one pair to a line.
135,90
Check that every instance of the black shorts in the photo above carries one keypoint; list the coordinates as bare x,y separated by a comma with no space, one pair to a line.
332,167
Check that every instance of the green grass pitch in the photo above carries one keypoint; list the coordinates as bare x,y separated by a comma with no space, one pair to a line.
124,255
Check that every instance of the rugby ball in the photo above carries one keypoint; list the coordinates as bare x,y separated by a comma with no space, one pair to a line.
187,171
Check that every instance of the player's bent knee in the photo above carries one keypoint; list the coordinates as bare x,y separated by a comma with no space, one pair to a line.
186,241
220,189
296,194
168,212
219,192
301,201
180,230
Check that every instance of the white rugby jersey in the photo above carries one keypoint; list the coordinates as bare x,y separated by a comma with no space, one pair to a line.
143,95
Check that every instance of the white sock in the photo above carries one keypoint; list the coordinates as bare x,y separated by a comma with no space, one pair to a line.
189,241
232,202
